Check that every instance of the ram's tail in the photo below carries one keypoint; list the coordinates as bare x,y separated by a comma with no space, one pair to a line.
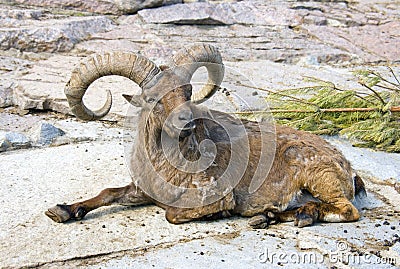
359,187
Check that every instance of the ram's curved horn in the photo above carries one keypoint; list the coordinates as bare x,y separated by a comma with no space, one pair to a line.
188,60
137,68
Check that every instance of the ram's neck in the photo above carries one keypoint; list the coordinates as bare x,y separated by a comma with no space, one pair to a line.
149,135
160,145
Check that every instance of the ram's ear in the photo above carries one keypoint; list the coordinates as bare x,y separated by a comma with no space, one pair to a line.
135,100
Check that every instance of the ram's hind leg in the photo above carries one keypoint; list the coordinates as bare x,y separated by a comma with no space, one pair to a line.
334,205
340,211
128,195
268,218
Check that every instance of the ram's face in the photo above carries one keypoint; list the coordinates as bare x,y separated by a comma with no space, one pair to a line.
168,105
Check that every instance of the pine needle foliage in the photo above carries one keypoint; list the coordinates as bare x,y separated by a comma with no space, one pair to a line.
368,116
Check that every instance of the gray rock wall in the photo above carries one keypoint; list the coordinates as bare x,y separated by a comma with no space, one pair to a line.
36,32
116,7
39,46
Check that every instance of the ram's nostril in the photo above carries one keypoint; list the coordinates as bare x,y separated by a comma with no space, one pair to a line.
187,116
190,125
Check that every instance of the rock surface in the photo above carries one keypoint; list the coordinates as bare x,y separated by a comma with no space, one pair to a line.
121,237
21,132
271,44
115,7
46,133
245,12
50,35
5,96
12,141
302,33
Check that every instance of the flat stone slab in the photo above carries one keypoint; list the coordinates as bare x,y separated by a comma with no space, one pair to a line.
116,7
362,40
245,12
51,35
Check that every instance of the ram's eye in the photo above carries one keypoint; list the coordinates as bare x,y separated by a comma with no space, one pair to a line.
151,100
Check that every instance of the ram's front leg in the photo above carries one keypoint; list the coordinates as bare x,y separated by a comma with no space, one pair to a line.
128,195
218,209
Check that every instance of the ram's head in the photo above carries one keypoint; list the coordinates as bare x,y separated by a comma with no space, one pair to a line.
166,91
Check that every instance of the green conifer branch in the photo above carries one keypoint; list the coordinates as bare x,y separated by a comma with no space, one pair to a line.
369,116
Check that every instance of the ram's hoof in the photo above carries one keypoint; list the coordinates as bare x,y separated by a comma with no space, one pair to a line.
303,222
59,213
307,214
259,222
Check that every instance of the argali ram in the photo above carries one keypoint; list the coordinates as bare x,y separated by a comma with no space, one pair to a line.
307,181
